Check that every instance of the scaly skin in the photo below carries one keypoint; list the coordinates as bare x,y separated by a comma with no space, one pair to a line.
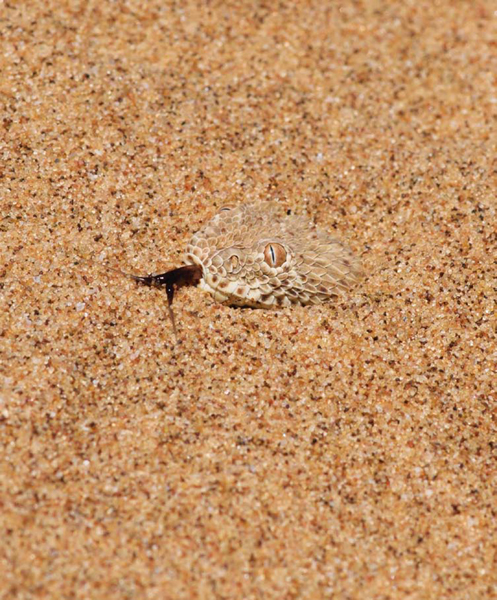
252,256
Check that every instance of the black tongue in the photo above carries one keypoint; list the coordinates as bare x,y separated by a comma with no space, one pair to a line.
180,277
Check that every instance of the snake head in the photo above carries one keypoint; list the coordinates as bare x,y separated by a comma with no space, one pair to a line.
252,256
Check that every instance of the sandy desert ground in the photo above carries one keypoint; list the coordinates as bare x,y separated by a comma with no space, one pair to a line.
344,451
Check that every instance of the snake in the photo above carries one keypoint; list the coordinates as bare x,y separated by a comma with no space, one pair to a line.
253,255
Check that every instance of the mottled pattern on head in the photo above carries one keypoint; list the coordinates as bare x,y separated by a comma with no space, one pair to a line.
251,255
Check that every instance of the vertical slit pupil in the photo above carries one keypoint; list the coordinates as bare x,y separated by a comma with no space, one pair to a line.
273,255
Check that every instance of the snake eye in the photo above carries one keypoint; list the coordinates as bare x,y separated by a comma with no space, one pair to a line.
274,255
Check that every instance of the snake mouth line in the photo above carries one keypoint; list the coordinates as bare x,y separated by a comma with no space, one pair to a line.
237,294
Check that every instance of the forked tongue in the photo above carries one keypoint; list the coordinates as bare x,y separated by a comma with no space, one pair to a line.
176,278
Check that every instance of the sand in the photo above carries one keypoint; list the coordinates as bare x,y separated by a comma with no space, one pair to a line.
342,451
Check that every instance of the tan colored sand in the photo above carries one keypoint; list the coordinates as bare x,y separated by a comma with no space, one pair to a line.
345,451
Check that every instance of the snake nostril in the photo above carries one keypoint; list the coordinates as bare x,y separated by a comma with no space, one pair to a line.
233,262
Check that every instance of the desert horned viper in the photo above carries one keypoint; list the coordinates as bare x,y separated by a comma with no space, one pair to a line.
250,255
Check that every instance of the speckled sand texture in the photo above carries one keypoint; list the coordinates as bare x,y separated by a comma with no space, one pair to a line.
346,451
